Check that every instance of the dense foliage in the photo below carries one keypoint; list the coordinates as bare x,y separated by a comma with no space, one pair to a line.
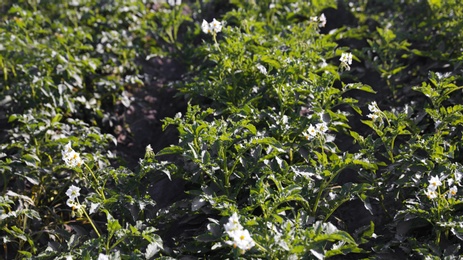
313,129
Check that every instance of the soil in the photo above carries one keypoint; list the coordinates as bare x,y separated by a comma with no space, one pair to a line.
140,124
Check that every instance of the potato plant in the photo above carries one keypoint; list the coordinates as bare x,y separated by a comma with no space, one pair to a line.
313,129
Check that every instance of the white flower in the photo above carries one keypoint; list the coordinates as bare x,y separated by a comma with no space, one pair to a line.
70,157
149,153
321,127
452,191
149,149
73,192
67,148
241,239
322,20
310,133
72,203
373,117
434,182
205,27
103,257
432,194
216,26
211,28
373,107
346,60
233,223
262,69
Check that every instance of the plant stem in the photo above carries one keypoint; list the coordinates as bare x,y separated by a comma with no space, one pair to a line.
91,222
214,37
96,182
260,247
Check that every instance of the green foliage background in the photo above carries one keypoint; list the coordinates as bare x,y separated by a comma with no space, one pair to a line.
357,189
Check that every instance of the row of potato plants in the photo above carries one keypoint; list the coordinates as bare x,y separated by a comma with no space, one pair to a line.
264,152
279,122
412,48
287,120
64,66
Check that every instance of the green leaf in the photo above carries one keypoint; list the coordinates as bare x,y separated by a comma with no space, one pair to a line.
18,233
318,254
152,249
372,125
458,232
435,4
173,149
362,87
113,225
12,118
365,233
366,202
272,62
25,253
251,128
56,119
31,159
338,236
298,249
343,250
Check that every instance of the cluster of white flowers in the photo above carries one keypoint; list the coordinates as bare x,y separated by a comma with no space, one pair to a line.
320,20
434,183
174,2
346,60
240,237
71,157
73,193
313,131
211,28
375,112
